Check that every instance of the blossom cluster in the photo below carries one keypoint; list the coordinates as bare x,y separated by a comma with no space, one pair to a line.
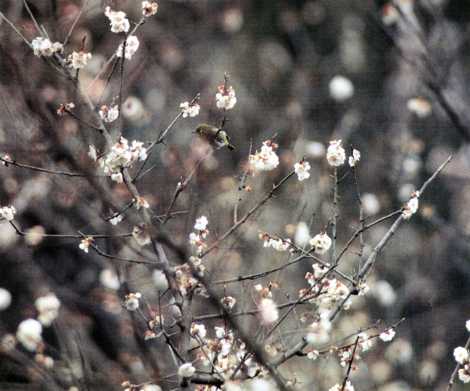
122,155
7,212
222,352
225,97
324,291
78,60
132,45
189,109
321,243
118,20
109,113
266,158
43,47
277,244
149,8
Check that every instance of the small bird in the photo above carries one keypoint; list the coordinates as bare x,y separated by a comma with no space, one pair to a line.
214,136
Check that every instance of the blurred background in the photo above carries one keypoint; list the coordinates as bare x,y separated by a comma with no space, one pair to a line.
392,82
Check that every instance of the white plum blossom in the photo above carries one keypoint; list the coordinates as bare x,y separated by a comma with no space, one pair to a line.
384,293
315,149
29,334
302,169
189,110
44,47
341,88
467,325
277,244
268,311
132,45
48,308
78,60
85,244
339,387
5,299
225,97
370,203
186,370
321,243
122,155
118,20
116,219
419,106
265,159
354,158
109,113
131,301
464,374
8,212
319,331
201,223
149,8
461,355
411,207
387,335
335,154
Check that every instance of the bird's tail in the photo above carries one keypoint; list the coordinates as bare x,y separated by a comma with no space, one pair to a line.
230,146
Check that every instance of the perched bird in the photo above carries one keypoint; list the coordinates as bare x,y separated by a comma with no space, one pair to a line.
216,137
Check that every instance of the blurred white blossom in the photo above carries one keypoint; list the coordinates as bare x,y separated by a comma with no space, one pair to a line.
341,88
302,234
132,45
186,370
5,299
109,279
321,243
29,334
48,308
419,106
268,311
